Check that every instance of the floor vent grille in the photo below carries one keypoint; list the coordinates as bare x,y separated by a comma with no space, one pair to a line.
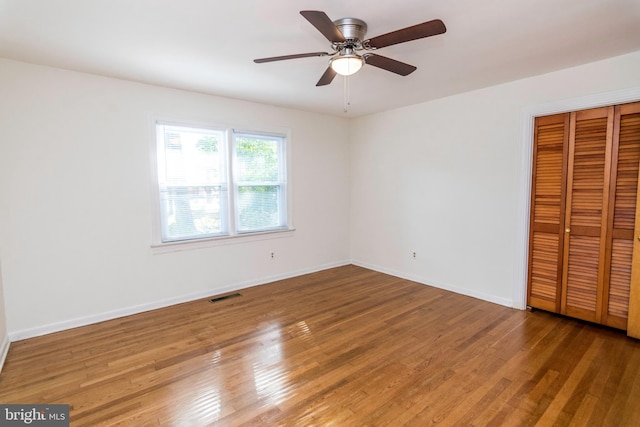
224,297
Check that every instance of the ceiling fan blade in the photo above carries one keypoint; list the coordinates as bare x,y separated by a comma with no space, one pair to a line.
420,31
282,58
389,64
327,77
324,24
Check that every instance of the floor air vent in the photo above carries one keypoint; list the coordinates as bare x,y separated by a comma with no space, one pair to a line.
222,298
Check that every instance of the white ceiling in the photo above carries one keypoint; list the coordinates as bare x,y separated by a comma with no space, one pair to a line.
209,45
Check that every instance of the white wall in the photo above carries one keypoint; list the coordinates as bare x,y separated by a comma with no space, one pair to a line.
443,179
76,212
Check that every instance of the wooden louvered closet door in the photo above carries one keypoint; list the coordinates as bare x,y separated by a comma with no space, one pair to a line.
628,122
584,226
551,136
589,171
622,218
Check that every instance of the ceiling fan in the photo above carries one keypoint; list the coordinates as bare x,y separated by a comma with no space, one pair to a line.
347,39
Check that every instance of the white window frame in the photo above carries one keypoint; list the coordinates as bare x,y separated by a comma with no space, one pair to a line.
232,236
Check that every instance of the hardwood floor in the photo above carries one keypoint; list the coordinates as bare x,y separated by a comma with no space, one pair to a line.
344,347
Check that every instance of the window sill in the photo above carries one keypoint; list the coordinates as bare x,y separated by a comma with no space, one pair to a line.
161,248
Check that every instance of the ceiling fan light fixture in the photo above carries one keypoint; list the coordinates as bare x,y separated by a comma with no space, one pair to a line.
347,64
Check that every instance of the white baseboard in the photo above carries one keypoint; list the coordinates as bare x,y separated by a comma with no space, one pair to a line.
96,318
4,350
447,287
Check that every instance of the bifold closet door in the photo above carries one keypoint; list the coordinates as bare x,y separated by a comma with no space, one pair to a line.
622,215
551,136
624,287
586,213
584,245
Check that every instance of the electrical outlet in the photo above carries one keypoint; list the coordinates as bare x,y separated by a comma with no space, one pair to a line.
273,254
414,255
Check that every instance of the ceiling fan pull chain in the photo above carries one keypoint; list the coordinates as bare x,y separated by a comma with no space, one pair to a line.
346,98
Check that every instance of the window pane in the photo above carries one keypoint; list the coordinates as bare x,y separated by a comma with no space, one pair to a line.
191,212
191,172
259,208
260,182
192,157
257,159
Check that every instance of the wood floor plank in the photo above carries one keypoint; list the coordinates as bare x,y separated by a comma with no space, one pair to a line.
345,346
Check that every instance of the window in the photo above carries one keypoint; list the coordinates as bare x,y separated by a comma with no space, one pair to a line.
219,182
259,182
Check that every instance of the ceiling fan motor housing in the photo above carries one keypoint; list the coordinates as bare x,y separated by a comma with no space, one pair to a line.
352,28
